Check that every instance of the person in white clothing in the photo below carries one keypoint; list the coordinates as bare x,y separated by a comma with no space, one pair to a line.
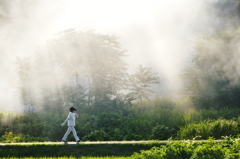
71,123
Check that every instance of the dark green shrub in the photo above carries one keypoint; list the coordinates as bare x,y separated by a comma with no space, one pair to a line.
161,132
97,135
194,115
108,121
134,137
117,135
209,128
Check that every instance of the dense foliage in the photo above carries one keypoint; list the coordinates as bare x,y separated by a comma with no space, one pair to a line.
159,119
230,148
213,77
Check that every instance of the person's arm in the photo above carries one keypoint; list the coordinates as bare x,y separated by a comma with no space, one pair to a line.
64,122
76,115
68,118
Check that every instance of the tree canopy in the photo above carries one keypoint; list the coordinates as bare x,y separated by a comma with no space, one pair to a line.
214,73
80,68
141,82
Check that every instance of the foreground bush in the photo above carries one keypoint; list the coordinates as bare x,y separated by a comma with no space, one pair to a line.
230,148
210,128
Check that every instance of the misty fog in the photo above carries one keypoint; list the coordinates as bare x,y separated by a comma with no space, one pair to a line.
155,34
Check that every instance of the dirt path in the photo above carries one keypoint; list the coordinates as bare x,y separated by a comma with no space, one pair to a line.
92,142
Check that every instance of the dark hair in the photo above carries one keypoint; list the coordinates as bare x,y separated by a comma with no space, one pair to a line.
72,108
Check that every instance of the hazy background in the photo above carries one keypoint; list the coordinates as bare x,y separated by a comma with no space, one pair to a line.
156,34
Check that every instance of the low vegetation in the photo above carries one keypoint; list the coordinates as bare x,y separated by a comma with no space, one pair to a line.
229,148
160,119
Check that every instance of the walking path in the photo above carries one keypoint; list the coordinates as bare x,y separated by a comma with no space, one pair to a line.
96,142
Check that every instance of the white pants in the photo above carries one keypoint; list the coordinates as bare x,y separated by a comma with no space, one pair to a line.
70,128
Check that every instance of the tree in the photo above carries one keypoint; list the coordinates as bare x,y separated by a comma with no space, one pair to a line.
23,68
214,74
106,71
141,82
96,57
49,82
67,53
74,95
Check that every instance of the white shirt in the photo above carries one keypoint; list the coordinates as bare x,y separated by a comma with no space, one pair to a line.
71,119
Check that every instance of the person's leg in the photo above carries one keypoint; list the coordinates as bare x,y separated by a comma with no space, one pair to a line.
74,133
66,134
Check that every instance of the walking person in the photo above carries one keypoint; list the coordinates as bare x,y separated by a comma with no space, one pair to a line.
71,123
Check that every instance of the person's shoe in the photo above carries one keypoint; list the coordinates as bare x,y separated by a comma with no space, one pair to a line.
78,141
64,141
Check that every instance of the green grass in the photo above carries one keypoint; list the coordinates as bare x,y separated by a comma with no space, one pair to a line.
84,157
227,148
94,150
